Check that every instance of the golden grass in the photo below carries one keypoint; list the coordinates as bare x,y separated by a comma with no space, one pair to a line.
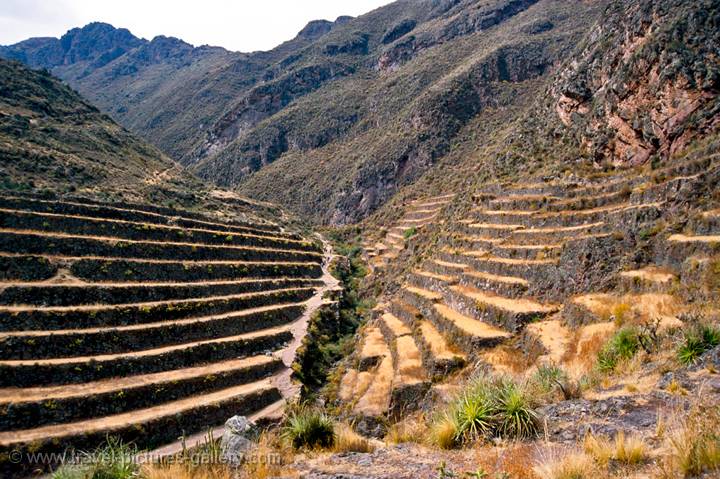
347,440
436,341
374,344
518,305
633,308
554,337
181,471
397,327
599,448
443,433
627,450
469,325
347,385
630,450
410,429
376,399
269,458
586,344
574,465
692,443
409,365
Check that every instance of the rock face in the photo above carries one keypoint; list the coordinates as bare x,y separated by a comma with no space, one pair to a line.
645,83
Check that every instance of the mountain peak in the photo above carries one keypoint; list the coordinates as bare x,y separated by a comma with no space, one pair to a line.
315,29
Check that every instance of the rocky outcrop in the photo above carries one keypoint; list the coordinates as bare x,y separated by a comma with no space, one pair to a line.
645,82
265,100
456,19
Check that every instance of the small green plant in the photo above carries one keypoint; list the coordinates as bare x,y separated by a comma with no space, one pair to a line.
488,407
409,233
548,376
444,472
479,474
622,346
696,341
114,460
516,417
309,428
473,415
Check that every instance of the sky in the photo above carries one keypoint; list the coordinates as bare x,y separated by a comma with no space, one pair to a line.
240,25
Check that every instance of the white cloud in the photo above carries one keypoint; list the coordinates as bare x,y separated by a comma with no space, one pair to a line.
243,25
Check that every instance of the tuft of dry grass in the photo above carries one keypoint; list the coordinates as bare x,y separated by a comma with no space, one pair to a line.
181,471
676,388
269,458
693,443
443,432
573,465
599,448
410,429
347,440
621,312
624,449
630,450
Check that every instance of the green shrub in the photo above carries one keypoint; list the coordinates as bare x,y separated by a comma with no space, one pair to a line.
473,417
696,341
622,346
548,376
410,232
309,428
488,407
516,416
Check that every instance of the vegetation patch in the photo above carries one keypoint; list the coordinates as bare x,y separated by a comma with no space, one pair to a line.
488,407
696,340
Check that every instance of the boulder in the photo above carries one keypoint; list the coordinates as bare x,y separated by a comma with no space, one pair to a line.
236,439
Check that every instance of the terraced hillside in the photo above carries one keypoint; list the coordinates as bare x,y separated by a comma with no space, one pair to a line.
418,214
141,322
535,270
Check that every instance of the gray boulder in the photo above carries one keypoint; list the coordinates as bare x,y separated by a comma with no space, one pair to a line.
236,439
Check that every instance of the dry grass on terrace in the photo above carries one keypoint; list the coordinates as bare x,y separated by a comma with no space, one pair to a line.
440,277
518,305
678,238
554,336
409,367
650,274
347,385
559,229
397,327
447,264
424,293
497,278
636,308
374,344
436,342
376,399
584,346
511,261
469,325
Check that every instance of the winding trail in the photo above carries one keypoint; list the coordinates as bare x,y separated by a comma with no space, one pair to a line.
289,388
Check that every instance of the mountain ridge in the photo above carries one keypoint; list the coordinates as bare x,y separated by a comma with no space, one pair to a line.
228,116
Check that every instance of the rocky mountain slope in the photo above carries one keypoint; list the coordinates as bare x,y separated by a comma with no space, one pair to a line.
402,81
53,142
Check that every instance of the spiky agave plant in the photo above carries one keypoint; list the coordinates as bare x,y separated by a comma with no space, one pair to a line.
696,341
516,417
473,413
622,346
